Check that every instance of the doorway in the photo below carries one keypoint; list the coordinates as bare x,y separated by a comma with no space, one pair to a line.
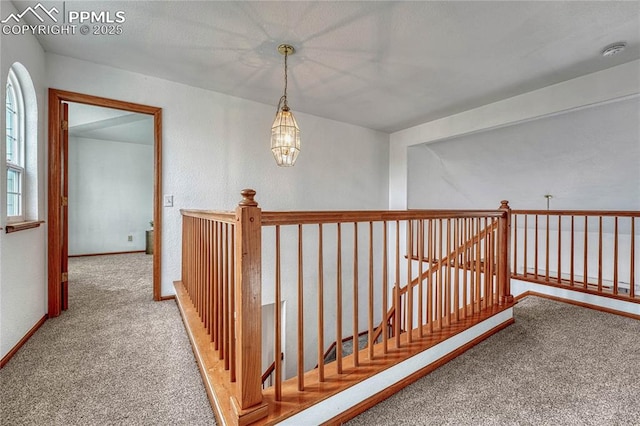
58,187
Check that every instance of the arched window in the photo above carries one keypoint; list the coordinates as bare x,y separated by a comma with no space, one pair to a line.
15,148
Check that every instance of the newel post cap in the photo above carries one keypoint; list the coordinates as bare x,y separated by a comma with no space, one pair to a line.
247,198
504,204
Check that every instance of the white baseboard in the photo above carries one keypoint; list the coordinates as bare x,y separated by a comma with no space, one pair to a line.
519,287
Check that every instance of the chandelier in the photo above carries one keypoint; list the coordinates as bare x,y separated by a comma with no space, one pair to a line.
285,133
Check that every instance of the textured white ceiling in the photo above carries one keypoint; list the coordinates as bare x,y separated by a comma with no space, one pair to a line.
382,65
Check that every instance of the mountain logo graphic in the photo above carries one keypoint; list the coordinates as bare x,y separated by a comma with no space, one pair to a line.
34,11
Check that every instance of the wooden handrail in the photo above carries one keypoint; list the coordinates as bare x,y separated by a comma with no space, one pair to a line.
385,323
216,215
480,235
619,213
350,216
269,371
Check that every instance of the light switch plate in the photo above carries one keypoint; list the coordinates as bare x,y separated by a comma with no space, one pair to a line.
168,201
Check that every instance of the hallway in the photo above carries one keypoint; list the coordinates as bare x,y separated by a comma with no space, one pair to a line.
115,357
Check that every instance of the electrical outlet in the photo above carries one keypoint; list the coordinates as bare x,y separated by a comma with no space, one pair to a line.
130,238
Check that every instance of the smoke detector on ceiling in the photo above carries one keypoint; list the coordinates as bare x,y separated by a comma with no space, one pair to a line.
614,48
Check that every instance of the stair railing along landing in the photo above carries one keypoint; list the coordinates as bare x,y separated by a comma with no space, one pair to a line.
433,273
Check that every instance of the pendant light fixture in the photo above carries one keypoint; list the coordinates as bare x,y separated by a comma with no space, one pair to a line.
285,133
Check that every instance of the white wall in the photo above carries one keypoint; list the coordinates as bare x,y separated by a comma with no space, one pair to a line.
110,195
613,83
23,295
586,159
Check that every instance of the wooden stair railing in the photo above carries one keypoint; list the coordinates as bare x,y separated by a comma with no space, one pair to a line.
582,250
228,300
269,371
447,261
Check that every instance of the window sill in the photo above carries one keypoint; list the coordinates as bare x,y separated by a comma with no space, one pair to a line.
21,226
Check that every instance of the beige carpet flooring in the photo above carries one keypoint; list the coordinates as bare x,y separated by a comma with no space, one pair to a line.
115,357
559,364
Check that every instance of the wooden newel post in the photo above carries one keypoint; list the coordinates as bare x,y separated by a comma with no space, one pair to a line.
504,254
247,402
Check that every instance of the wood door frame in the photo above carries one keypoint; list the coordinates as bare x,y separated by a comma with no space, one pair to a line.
54,269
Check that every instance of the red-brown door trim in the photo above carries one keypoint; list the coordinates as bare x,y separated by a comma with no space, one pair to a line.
56,98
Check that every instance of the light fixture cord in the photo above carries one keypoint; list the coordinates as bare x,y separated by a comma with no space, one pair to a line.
286,80
283,99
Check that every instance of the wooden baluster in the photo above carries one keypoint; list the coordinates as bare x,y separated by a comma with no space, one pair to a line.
183,272
203,262
196,255
232,305
300,314
447,278
202,271
496,272
339,302
385,287
546,264
585,260
396,294
430,238
456,265
535,272
277,318
214,289
439,278
526,232
320,307
197,270
559,249
226,308
478,267
371,304
409,297
208,266
615,255
186,254
248,397
485,264
489,268
191,258
572,266
632,277
221,313
472,269
465,262
420,277
515,244
599,254
356,330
